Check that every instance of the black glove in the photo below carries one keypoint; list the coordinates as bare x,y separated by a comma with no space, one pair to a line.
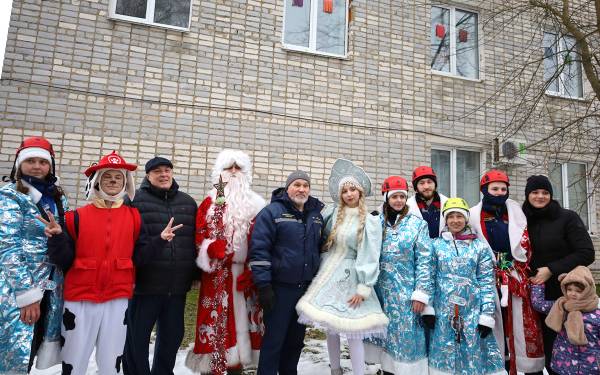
484,331
428,321
266,297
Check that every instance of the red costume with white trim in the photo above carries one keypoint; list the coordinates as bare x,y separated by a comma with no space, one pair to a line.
229,325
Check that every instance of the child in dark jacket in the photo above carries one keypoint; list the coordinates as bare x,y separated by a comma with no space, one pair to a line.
576,318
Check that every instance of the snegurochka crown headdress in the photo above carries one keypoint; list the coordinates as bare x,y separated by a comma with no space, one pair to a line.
344,171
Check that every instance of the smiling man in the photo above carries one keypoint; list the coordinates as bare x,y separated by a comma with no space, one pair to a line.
162,283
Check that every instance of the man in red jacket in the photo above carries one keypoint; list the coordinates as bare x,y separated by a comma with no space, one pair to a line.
103,241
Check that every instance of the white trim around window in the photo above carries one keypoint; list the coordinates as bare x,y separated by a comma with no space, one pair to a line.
302,24
450,172
569,84
448,65
148,17
566,189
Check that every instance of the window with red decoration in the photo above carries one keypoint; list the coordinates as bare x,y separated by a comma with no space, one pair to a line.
454,42
316,26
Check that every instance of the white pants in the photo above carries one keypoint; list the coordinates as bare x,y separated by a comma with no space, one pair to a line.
87,325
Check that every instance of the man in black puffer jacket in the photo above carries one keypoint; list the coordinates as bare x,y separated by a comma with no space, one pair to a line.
162,283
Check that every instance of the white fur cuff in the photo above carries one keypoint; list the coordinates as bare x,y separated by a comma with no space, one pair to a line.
420,296
429,310
30,296
363,290
203,260
486,320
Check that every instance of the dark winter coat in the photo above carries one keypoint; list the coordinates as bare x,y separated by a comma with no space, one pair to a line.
559,241
172,270
285,242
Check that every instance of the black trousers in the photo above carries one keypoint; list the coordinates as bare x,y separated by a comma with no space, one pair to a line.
284,337
143,312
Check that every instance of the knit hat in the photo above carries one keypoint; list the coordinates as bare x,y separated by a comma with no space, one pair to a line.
297,175
588,302
33,147
156,162
536,182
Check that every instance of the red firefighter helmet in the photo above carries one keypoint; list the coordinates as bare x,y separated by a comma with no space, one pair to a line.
494,175
110,161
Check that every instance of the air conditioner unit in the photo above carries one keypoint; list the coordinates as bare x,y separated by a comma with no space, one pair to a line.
509,151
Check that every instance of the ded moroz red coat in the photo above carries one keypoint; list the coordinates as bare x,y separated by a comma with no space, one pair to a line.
243,326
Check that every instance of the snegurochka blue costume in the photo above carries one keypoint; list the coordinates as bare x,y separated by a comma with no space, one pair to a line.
404,276
26,277
464,300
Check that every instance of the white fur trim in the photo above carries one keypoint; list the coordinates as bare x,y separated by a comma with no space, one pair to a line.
420,296
517,223
33,152
227,158
30,296
48,355
504,295
200,363
429,310
363,290
486,320
240,313
376,354
203,260
33,193
524,363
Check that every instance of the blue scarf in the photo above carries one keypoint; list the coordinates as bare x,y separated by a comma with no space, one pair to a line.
47,187
496,228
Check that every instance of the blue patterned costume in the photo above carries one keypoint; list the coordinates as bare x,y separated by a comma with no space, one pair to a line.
24,276
464,277
404,276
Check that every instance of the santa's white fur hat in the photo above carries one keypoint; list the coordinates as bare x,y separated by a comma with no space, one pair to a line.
227,158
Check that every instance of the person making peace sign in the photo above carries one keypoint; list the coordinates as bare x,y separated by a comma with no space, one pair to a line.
97,250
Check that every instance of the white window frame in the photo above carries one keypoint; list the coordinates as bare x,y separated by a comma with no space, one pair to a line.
560,46
149,20
565,189
453,151
312,43
452,25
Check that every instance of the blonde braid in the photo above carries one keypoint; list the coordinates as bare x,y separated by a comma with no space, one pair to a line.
340,218
362,214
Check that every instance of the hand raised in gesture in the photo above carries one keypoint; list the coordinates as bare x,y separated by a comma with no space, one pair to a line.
52,227
169,232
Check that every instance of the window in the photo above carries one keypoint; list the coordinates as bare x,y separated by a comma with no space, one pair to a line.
458,173
569,183
316,26
562,66
174,14
454,42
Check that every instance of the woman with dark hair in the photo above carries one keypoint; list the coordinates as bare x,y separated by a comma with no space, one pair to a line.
30,288
559,240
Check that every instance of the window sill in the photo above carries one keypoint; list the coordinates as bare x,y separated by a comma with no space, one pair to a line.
450,75
137,21
566,97
290,48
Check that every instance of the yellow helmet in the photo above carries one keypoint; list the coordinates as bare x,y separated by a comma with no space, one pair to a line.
456,205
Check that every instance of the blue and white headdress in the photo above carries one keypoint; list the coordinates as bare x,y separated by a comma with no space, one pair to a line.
344,171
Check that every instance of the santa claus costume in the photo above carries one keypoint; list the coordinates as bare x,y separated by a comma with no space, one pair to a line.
229,323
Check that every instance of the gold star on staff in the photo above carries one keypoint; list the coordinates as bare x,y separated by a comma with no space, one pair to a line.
220,187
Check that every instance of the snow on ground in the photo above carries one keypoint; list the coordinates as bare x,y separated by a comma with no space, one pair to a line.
314,361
